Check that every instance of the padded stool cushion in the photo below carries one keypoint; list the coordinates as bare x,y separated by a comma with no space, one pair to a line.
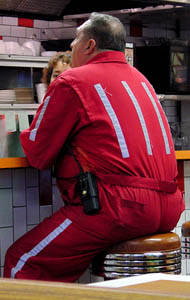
185,229
157,242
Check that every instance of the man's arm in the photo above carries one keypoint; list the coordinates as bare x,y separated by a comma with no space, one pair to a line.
54,122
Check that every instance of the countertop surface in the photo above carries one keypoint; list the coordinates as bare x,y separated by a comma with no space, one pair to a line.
145,287
22,162
13,289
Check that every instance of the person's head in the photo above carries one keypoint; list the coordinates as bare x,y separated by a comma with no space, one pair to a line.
56,65
99,33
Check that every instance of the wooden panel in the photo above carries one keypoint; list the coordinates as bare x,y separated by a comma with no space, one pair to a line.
14,162
183,154
30,290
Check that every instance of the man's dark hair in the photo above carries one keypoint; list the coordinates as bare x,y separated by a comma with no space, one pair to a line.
108,32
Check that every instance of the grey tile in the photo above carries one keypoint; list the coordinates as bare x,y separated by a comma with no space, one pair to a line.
6,240
6,207
45,211
20,229
19,195
32,177
32,205
5,178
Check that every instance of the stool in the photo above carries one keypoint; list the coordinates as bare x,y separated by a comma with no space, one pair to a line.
185,240
151,254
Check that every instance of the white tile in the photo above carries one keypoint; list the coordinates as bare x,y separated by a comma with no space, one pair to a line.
32,205
10,21
33,33
45,211
57,201
187,215
1,20
19,195
5,30
186,168
40,24
187,192
6,240
5,178
56,24
178,231
184,267
188,266
32,177
18,31
182,219
6,207
20,229
10,39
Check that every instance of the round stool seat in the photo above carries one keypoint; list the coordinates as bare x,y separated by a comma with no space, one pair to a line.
157,242
185,229
185,240
150,254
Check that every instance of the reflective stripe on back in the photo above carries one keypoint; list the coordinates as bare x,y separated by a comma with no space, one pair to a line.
114,119
167,147
140,115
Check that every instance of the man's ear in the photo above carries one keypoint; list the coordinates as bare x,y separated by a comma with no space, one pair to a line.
90,46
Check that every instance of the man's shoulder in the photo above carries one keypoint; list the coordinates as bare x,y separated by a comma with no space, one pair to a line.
78,73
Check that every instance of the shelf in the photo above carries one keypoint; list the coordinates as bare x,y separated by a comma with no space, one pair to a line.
23,61
173,97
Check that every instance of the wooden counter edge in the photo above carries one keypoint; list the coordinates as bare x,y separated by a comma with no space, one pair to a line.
22,162
182,154
14,162
32,290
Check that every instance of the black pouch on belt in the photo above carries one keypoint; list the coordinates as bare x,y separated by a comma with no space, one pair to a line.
89,193
88,189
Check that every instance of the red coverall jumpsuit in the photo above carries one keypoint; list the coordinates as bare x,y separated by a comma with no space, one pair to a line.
110,115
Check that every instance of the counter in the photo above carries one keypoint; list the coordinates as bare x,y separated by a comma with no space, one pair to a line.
144,290
22,162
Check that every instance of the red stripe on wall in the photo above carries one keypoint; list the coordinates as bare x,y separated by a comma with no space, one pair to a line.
25,22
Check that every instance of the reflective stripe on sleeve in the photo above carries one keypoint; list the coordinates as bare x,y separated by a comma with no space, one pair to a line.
33,132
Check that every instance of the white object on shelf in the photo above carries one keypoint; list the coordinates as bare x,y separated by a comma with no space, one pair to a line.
34,46
41,89
48,53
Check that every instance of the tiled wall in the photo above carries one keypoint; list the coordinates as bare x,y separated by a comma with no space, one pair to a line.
11,29
19,205
20,30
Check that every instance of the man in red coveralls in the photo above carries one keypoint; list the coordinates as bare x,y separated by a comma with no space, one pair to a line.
103,116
